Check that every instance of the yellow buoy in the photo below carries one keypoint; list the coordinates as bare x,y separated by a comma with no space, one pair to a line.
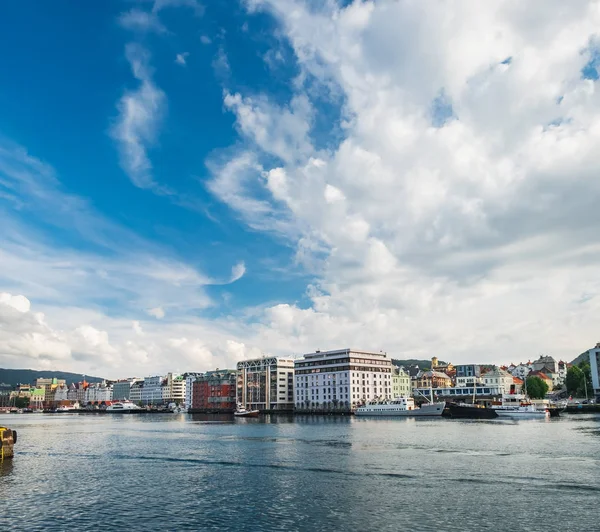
8,438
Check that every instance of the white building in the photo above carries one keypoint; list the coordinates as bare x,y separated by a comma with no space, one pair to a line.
498,377
521,371
594,355
343,378
266,383
152,390
173,388
189,383
98,393
61,393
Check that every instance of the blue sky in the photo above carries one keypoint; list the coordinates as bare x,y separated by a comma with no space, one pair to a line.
67,73
184,184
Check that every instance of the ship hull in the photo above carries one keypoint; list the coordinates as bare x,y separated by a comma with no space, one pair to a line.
428,410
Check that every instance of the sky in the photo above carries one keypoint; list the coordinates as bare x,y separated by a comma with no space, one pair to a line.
185,184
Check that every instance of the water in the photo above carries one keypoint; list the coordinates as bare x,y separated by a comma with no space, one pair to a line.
180,472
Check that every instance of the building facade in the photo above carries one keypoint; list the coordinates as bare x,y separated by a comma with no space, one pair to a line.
189,383
152,390
122,389
400,382
594,355
501,378
433,379
266,383
135,392
467,374
341,379
215,391
173,388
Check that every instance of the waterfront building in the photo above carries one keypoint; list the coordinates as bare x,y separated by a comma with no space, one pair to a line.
37,397
594,356
49,386
481,394
400,382
190,378
122,389
499,377
341,379
215,390
6,391
467,374
433,379
173,388
152,390
266,383
562,372
61,394
97,393
135,392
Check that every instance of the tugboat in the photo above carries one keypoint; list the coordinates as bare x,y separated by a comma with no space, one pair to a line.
8,438
242,411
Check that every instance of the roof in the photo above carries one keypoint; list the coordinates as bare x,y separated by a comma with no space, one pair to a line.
437,374
516,380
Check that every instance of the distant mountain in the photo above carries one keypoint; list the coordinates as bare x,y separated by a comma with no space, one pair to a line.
423,364
581,358
28,376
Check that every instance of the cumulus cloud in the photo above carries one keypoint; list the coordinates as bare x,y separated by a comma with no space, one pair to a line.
448,213
140,114
237,272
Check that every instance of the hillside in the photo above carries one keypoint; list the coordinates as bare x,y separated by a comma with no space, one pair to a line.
28,376
423,364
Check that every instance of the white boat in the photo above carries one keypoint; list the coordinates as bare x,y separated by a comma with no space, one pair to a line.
178,409
242,411
401,407
123,407
68,408
519,406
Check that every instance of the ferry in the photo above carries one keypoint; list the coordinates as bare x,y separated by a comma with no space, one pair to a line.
123,407
8,438
519,406
242,411
401,407
69,408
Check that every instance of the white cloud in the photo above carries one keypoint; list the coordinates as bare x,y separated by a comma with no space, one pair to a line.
205,39
140,114
237,272
196,6
180,59
157,312
138,20
465,233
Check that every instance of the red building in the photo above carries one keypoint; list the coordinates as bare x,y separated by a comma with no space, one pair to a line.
215,390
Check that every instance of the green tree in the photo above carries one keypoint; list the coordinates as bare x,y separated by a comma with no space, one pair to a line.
575,380
536,388
22,402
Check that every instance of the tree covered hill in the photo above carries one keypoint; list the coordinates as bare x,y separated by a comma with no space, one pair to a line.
28,376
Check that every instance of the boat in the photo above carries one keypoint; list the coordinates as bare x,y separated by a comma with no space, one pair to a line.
178,409
401,407
242,411
123,407
68,408
519,406
8,438
465,411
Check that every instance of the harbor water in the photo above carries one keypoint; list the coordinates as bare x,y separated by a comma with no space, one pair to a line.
189,472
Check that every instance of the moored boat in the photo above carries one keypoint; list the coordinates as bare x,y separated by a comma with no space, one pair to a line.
242,411
464,411
518,406
123,407
401,407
